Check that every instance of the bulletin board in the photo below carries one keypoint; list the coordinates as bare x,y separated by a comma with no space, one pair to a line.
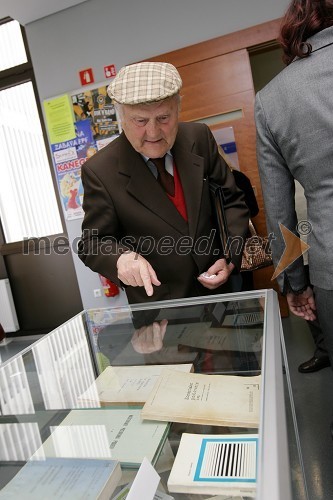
79,124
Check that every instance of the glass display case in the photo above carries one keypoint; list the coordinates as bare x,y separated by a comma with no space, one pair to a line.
64,395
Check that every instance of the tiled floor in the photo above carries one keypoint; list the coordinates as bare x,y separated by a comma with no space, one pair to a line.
313,399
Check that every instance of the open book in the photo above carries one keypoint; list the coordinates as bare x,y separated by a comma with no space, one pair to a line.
125,384
65,478
226,400
215,464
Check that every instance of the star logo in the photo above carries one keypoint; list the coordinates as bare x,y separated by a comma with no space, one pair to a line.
294,248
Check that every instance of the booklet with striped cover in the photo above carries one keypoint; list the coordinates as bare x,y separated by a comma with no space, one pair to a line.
215,464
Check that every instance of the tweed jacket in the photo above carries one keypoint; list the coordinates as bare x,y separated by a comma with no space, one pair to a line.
294,120
126,208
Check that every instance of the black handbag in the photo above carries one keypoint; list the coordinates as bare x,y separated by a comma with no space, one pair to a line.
217,197
257,252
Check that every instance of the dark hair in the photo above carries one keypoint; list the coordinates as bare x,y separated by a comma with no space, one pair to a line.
303,19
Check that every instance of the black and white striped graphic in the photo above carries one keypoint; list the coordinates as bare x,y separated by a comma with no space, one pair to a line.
250,318
228,460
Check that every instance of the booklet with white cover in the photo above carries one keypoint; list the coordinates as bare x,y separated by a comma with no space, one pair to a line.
212,464
126,384
196,398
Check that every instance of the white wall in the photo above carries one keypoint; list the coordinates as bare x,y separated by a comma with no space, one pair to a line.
101,32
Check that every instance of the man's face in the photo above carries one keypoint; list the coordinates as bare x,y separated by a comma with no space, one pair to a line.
151,128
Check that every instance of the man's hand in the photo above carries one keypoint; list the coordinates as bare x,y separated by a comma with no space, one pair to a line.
217,274
135,270
149,338
303,304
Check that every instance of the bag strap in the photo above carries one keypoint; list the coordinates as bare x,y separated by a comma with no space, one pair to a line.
252,229
218,201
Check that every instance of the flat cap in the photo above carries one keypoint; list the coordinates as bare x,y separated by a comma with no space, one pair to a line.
145,82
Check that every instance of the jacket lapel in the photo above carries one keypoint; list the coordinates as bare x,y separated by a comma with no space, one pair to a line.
142,185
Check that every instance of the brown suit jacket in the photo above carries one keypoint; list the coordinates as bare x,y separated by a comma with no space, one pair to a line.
126,208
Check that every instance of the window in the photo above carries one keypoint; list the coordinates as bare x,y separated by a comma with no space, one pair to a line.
12,49
28,204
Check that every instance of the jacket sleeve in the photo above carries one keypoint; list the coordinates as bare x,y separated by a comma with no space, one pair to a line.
98,247
278,187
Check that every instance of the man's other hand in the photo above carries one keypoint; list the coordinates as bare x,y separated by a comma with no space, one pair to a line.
217,274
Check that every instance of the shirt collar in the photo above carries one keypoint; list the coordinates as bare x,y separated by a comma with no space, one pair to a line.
146,158
168,164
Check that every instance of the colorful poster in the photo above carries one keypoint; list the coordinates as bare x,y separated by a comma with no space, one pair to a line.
92,117
68,158
96,106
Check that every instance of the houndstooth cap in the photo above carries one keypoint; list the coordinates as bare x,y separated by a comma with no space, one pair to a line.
145,82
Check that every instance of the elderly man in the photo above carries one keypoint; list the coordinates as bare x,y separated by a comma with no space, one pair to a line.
148,222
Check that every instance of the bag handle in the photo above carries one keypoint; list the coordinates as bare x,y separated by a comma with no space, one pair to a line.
252,229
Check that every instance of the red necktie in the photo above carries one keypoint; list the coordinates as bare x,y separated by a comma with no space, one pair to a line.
164,178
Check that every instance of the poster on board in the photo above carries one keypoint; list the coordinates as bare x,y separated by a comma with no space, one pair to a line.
95,105
68,157
95,124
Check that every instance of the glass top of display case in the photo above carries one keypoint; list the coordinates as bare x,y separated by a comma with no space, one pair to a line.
132,382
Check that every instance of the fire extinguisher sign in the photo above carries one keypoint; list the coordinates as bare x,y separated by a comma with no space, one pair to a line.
86,76
110,288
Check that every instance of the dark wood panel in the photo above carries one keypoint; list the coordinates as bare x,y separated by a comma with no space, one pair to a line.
249,37
210,80
45,289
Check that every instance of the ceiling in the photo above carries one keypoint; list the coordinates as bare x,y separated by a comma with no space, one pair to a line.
26,11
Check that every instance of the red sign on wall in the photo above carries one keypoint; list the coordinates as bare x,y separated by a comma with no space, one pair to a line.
86,76
110,71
